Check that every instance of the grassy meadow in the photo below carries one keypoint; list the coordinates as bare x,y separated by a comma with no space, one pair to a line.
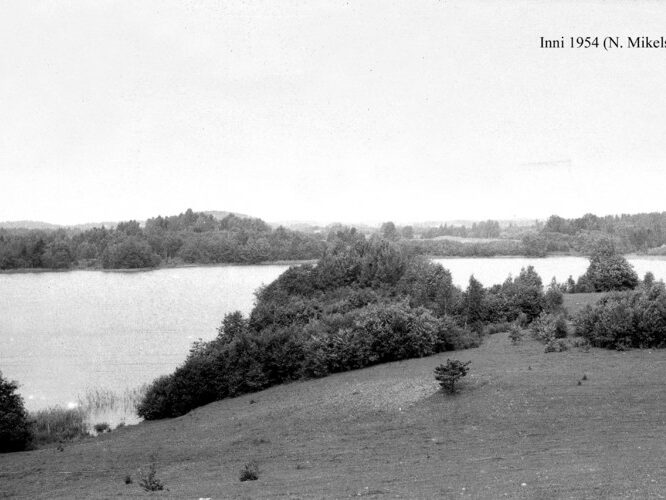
521,426
575,302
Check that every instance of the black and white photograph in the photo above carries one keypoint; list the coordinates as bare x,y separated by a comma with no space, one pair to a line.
328,249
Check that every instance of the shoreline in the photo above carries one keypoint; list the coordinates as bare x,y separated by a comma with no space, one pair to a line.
37,270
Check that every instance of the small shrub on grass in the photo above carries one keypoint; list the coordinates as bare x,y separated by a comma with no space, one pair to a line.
249,472
515,334
549,326
448,374
561,328
556,345
149,481
128,479
102,427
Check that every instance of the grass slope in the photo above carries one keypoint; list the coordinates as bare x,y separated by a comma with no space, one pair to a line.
576,302
520,427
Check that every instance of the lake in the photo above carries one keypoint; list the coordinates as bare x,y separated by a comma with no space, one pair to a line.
64,332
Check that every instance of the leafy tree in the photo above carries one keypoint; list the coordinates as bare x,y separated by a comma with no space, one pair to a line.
233,326
429,285
648,279
15,427
389,231
609,271
553,298
448,374
473,303
529,277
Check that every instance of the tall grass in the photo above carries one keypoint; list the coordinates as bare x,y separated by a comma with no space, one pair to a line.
95,408
57,424
104,405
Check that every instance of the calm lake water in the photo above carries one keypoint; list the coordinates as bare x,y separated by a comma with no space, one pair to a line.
62,333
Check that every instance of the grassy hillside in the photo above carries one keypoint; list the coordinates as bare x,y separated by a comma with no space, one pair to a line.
575,302
521,427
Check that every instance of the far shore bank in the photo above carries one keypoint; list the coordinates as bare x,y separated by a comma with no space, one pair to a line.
30,270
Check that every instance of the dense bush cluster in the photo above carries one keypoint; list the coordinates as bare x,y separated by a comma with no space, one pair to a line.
607,271
626,319
365,302
548,327
191,237
15,427
518,299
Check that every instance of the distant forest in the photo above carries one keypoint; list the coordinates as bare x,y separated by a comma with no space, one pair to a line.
191,237
644,233
201,238
641,233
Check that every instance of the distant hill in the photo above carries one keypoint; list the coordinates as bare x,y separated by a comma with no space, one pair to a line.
306,226
221,214
28,224
34,224
468,223
90,225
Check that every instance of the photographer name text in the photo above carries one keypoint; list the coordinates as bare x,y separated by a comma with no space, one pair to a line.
602,42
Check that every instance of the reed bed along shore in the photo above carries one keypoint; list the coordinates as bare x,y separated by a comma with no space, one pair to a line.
98,410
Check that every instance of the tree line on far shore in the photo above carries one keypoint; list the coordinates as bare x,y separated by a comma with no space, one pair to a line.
191,237
200,238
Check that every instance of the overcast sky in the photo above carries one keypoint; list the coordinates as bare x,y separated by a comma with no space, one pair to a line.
328,111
